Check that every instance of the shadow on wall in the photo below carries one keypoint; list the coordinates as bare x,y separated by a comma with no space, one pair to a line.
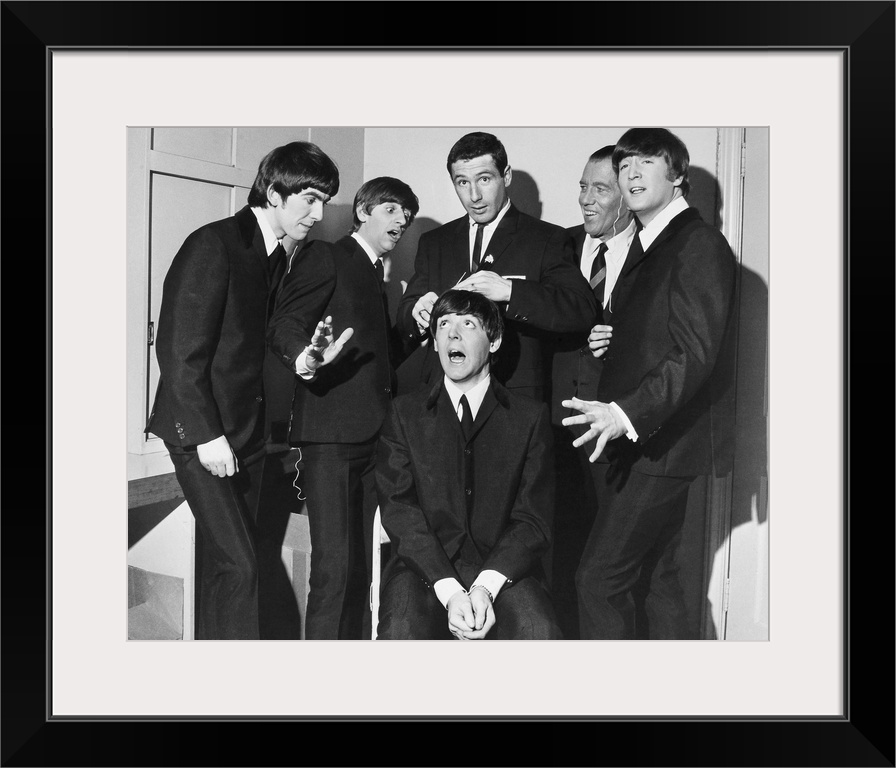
336,223
523,192
751,451
705,195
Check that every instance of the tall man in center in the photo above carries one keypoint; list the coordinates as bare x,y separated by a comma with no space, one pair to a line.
338,409
525,265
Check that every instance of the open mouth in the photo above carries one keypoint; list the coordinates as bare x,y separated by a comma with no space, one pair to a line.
456,356
395,234
636,190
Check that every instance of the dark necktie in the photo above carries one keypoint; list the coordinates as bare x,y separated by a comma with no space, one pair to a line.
635,249
634,253
598,279
466,418
276,269
477,248
380,272
277,264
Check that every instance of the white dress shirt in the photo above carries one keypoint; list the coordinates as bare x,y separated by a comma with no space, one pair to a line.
271,241
617,249
491,580
487,231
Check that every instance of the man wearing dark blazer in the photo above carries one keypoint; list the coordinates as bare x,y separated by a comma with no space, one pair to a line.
601,243
664,409
209,405
465,485
524,265
337,412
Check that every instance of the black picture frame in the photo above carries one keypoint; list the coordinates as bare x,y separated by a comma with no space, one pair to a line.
864,736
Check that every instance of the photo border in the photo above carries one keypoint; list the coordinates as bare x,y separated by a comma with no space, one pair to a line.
864,31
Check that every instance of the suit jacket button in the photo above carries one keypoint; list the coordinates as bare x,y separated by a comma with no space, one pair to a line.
467,451
388,390
177,424
468,491
182,436
258,398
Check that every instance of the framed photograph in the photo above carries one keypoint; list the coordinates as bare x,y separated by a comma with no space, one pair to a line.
816,79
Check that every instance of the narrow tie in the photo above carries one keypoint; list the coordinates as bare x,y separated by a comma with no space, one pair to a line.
477,248
276,270
634,253
598,278
277,264
380,272
466,418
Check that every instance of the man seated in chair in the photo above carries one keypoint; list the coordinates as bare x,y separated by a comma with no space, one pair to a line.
465,482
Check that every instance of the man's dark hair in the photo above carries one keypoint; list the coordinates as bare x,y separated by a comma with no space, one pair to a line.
604,153
655,142
476,145
292,168
384,189
454,302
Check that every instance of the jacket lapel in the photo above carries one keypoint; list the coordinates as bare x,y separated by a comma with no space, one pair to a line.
578,238
458,265
250,234
502,237
485,410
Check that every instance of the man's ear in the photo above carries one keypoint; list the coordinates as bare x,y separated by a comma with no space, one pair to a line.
494,346
274,198
508,175
361,213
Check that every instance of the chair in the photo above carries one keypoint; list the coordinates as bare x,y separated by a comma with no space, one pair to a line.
380,537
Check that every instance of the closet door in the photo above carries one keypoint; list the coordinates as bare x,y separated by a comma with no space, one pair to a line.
178,180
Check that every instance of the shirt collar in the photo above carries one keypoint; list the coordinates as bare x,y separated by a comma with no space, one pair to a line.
620,242
367,249
270,239
661,220
475,395
490,227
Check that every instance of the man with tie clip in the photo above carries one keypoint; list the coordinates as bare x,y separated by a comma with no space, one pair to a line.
525,265
337,411
465,483
601,244
210,403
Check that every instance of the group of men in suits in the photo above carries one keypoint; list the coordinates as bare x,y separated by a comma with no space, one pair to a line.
631,310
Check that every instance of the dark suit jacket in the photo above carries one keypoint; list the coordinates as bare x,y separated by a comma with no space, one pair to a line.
670,365
347,400
554,297
423,471
210,341
575,372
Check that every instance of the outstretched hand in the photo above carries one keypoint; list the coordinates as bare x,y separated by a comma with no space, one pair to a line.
323,349
602,420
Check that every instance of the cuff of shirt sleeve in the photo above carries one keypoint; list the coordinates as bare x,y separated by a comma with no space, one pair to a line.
302,370
492,581
445,589
629,429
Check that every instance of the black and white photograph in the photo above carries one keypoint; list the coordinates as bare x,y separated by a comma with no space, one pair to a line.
518,339
293,473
